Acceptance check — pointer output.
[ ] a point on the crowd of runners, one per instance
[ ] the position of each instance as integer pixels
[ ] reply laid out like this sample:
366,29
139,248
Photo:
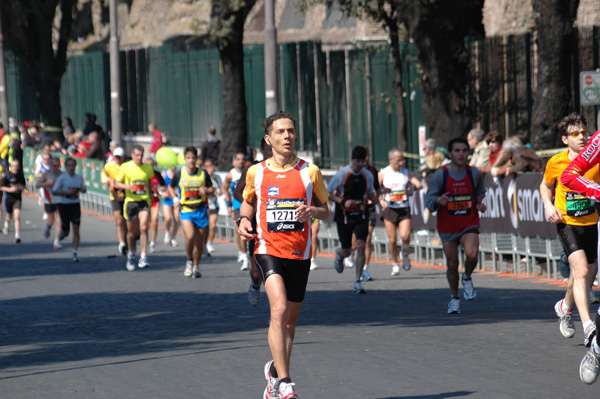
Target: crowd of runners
278,203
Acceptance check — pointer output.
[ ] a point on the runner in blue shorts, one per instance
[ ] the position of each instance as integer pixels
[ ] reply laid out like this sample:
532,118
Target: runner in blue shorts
189,189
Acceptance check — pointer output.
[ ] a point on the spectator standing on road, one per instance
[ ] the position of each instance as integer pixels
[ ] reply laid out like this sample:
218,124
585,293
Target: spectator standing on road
134,177
574,179
576,223
480,147
189,188
156,141
397,185
231,179
170,211
117,196
456,192
211,147
12,186
349,189
284,192
68,186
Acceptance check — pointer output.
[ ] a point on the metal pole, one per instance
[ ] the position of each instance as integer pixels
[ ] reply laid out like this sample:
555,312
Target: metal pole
115,79
3,95
271,93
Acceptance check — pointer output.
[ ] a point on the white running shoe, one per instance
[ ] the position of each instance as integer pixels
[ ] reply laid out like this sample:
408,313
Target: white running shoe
45,217
589,334
286,390
174,243
130,265
241,256
588,369
5,230
454,306
313,264
123,248
245,262
188,269
57,244
395,269
167,239
272,389
143,263
349,262
469,291
209,248
565,320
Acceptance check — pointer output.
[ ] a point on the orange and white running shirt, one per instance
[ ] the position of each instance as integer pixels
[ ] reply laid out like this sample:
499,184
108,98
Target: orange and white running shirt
278,191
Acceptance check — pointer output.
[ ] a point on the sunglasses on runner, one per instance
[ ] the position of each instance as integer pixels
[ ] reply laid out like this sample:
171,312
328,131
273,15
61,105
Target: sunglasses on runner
576,133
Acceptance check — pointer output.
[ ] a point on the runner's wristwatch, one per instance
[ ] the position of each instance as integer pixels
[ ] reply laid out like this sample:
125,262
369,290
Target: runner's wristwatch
238,220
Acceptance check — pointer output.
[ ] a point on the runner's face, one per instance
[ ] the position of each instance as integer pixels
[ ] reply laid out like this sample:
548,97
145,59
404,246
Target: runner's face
356,165
190,160
71,166
209,167
136,156
397,161
575,144
283,137
459,154
238,162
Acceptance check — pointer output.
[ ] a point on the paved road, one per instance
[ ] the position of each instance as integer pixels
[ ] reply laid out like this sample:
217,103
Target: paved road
94,330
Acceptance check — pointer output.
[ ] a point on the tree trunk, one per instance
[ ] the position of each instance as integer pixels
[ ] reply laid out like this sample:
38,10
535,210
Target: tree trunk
29,35
228,30
234,126
438,29
556,41
392,26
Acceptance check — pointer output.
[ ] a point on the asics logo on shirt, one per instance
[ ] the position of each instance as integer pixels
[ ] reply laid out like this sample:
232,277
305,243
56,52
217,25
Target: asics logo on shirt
280,177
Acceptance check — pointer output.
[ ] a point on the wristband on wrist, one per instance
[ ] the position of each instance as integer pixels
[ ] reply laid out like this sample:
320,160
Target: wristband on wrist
238,220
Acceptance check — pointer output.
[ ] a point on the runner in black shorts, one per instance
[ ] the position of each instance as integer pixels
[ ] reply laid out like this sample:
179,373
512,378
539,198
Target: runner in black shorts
350,188
68,186
133,209
285,192
397,184
12,185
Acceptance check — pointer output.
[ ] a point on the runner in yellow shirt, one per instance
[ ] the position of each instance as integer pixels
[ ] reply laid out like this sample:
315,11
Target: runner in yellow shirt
134,177
117,197
576,219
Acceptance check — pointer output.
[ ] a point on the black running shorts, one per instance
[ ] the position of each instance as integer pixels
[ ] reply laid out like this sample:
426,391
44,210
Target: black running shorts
359,227
134,208
294,273
574,238
69,214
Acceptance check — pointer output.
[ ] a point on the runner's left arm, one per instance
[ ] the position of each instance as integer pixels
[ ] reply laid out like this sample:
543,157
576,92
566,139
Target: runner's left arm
572,177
